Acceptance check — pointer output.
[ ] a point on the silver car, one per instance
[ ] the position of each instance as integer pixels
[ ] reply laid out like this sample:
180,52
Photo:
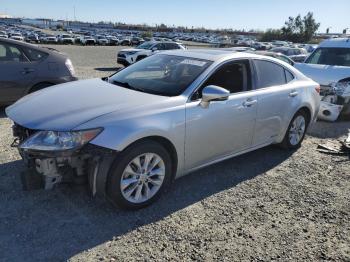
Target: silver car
131,134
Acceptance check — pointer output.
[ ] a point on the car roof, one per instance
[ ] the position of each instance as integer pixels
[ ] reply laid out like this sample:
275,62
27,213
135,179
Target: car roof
24,44
336,42
209,54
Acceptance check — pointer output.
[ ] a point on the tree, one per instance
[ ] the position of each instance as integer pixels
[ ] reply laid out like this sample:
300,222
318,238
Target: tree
300,29
296,29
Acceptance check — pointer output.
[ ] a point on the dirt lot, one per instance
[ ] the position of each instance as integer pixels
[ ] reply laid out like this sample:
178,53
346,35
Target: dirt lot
262,206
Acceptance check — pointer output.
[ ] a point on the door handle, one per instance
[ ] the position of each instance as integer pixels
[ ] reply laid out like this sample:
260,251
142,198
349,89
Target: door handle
249,103
27,71
293,93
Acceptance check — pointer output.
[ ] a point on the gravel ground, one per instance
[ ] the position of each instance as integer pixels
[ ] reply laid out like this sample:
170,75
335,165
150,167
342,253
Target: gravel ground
266,205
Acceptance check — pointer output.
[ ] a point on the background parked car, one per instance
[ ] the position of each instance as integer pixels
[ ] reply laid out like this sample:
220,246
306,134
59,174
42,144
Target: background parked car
16,36
329,65
129,56
32,38
66,39
25,68
87,40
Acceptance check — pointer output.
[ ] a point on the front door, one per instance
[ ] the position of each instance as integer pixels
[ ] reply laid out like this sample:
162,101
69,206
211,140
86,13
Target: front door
224,127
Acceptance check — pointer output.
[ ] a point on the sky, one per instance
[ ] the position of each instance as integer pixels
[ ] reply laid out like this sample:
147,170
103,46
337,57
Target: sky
234,14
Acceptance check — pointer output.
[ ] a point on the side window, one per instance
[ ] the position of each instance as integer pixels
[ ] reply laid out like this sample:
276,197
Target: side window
9,53
269,74
35,55
289,76
233,76
174,46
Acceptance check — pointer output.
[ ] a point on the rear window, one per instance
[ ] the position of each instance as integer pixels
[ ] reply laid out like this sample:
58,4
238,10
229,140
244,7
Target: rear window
35,55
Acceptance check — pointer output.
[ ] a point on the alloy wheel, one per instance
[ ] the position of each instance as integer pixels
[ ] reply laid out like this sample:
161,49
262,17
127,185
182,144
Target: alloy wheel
297,130
142,178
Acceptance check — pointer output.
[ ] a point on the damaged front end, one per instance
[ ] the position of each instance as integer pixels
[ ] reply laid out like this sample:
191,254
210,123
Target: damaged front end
54,157
335,100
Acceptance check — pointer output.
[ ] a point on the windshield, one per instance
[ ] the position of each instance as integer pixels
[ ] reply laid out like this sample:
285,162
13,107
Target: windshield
330,56
145,45
165,75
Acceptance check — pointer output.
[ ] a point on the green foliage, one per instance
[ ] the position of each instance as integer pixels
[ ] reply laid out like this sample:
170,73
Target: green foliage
297,30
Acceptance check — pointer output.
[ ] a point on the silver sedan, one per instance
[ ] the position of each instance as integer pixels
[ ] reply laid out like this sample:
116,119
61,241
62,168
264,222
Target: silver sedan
131,134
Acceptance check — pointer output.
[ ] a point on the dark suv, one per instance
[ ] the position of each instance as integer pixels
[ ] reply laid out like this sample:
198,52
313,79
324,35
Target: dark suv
25,68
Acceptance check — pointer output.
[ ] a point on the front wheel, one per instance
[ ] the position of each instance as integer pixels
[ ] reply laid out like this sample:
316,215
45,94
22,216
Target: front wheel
296,131
139,175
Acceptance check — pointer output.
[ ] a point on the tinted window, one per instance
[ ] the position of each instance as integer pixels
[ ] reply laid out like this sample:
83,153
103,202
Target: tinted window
330,56
11,53
233,76
269,74
35,55
173,46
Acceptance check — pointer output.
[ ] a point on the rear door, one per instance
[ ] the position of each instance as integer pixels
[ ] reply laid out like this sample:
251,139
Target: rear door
16,72
278,96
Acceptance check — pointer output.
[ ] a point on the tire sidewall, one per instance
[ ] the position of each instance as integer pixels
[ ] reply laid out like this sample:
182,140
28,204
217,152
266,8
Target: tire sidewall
122,160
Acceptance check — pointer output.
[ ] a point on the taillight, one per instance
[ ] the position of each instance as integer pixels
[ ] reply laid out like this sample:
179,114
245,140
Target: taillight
318,89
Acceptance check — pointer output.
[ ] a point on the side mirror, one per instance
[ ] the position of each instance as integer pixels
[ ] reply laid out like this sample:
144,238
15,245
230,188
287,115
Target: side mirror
154,49
213,93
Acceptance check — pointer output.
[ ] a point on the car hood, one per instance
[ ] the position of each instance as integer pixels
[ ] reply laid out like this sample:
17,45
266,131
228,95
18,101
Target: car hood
66,106
323,74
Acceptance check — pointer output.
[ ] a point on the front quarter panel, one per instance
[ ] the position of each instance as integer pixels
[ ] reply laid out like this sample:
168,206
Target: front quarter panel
121,129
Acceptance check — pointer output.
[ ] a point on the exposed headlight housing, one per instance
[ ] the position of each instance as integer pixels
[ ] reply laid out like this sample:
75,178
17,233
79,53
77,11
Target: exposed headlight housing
342,88
70,67
59,141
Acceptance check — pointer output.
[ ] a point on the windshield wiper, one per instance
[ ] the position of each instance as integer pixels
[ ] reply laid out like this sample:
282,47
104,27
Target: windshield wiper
127,85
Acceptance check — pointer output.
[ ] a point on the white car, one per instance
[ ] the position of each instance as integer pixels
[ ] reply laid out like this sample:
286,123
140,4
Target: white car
87,40
329,65
131,55
101,40
66,39
17,36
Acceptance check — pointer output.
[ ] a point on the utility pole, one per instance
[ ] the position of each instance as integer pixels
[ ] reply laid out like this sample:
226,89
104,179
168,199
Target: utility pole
75,19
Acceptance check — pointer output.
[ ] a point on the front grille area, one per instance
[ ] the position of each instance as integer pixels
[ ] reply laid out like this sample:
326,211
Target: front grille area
121,55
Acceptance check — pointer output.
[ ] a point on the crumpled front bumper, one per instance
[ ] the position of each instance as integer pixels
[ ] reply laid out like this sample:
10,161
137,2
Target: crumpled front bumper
45,169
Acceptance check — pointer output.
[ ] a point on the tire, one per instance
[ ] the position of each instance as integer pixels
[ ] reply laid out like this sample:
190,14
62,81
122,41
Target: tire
39,86
290,143
133,195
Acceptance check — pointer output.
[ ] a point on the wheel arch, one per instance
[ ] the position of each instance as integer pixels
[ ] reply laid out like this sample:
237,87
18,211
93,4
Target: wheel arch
166,143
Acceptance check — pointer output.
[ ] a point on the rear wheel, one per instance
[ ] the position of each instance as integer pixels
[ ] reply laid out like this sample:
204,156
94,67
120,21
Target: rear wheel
139,175
296,131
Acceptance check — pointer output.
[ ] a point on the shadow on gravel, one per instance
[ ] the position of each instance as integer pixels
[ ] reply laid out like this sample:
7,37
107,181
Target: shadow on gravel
56,225
324,130
107,69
